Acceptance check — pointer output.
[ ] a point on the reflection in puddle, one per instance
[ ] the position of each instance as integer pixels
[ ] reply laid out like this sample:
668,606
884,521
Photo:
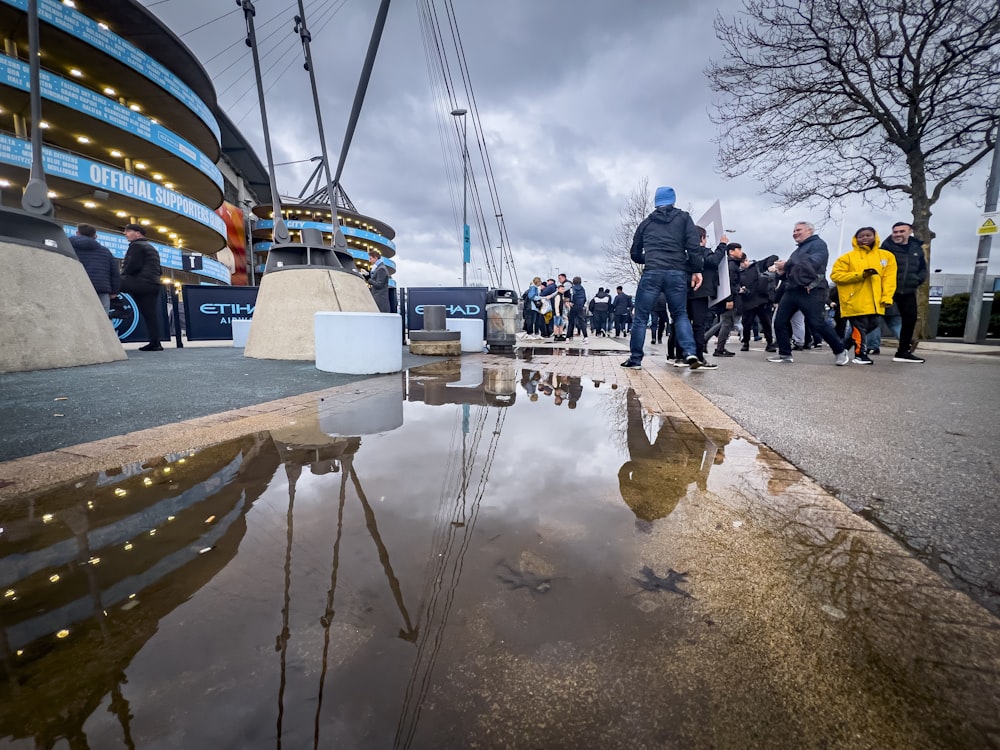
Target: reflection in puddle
443,559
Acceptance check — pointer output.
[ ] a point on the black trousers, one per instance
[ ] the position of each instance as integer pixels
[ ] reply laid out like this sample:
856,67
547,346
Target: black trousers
761,313
147,299
907,306
698,313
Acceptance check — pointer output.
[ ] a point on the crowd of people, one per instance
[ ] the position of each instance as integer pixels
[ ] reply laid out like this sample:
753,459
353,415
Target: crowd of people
698,293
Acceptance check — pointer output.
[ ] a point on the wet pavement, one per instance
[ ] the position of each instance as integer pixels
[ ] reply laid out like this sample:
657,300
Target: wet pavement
483,552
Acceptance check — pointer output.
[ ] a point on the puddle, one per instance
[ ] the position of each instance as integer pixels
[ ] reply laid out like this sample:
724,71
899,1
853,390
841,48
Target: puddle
461,556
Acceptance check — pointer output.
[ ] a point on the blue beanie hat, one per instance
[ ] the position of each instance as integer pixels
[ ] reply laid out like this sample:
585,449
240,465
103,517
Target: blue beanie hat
665,196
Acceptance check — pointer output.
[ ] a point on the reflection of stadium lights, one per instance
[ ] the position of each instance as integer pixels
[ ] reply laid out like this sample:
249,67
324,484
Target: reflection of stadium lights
54,578
119,492
63,633
128,546
8,593
47,517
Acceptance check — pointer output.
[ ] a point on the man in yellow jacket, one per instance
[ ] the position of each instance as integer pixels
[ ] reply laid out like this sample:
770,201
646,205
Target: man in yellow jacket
866,280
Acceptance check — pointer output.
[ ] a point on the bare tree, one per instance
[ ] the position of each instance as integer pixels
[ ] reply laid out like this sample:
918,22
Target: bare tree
618,265
831,98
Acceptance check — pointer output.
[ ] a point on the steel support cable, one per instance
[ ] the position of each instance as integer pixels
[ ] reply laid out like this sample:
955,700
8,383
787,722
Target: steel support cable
481,140
217,18
330,13
284,53
242,40
440,96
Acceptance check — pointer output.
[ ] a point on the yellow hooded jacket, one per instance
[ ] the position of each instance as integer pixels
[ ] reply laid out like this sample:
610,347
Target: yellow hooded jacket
860,295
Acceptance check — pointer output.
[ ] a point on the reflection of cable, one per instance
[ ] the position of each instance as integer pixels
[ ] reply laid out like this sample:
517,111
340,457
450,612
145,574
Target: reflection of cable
293,473
413,703
327,619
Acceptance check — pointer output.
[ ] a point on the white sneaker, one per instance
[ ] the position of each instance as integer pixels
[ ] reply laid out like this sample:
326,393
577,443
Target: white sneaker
585,341
844,358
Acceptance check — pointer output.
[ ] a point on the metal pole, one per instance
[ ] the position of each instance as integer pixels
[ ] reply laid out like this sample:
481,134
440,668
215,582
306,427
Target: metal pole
465,190
280,235
35,199
339,242
983,254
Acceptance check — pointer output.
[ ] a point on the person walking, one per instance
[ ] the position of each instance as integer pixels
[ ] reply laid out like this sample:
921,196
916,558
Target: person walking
378,280
140,277
756,290
578,311
866,280
666,244
600,306
620,307
101,266
730,307
911,273
803,272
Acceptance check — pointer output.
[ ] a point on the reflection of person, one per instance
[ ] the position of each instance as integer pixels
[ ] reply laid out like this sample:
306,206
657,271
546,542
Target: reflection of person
378,280
657,474
141,278
100,265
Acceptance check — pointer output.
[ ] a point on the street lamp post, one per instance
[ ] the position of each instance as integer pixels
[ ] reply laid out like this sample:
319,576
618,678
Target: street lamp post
465,193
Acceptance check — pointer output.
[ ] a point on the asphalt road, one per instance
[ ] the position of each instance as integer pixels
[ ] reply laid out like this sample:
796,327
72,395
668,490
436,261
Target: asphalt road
913,448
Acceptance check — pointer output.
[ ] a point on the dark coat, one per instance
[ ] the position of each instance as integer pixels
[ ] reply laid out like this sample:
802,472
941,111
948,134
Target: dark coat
667,240
621,304
758,284
141,267
379,284
911,267
806,267
101,266
709,274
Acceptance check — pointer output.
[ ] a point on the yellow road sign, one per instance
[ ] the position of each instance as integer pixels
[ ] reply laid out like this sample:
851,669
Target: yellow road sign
988,225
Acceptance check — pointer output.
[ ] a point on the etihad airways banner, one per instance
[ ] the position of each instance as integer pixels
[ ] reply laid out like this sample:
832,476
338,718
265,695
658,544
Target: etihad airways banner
16,74
17,152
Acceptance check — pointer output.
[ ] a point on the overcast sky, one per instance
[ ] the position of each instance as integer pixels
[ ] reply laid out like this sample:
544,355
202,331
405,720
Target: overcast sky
579,103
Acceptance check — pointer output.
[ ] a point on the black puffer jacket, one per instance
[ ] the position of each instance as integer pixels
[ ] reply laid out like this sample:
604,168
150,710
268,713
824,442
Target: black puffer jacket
911,268
667,240
709,273
101,266
142,264
758,283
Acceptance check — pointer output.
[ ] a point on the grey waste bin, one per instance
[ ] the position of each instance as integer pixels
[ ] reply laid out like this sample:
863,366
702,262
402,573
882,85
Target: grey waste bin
501,319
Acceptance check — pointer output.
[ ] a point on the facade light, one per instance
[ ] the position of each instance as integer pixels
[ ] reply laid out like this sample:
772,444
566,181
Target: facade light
89,204
82,139
121,214
139,165
76,72
116,153
145,223
135,107
110,91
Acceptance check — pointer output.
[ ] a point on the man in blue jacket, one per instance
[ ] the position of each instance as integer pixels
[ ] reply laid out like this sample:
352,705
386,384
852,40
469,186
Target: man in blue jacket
804,275
666,244
101,266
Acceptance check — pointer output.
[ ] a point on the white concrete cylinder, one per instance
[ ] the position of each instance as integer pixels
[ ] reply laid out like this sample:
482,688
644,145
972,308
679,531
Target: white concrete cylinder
471,330
241,330
358,343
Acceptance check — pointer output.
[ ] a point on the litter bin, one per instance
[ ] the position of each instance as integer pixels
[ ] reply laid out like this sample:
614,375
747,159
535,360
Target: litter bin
501,319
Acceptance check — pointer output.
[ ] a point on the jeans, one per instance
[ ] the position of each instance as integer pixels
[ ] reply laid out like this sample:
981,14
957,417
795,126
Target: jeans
811,307
674,284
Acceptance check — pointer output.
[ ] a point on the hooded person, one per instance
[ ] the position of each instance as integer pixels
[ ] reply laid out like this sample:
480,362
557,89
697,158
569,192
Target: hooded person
866,281
667,245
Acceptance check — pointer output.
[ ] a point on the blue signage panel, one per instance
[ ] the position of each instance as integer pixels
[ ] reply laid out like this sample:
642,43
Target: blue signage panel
83,28
16,74
459,302
170,257
209,311
327,227
466,251
71,167
128,322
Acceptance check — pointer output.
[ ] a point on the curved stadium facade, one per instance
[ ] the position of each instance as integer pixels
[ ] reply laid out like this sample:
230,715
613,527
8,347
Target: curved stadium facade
132,133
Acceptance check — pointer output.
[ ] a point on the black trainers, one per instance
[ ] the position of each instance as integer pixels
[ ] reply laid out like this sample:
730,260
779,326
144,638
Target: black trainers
863,359
771,348
629,364
692,361
907,357
679,362
723,353
706,365
745,348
